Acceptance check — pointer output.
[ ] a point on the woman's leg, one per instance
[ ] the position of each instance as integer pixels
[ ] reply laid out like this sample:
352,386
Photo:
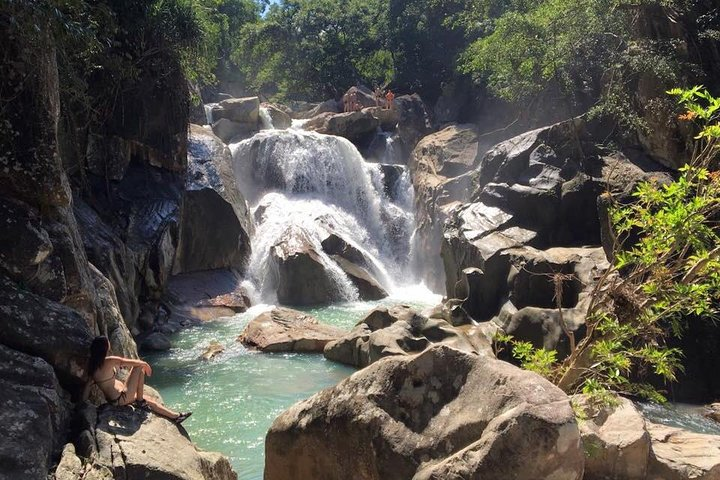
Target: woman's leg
161,410
134,385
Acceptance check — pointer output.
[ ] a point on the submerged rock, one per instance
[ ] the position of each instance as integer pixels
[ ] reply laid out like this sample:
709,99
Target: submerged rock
286,330
397,330
212,351
436,415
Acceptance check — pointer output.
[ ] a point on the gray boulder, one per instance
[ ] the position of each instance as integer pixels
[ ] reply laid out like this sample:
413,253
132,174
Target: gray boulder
389,331
110,321
358,127
286,330
440,414
40,327
34,414
229,131
301,276
137,445
678,454
215,226
279,114
156,341
615,440
239,110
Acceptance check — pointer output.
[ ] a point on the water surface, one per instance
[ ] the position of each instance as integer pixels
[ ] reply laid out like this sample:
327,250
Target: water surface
236,396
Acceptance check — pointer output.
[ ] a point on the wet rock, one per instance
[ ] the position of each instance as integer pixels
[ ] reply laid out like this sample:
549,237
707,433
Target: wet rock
286,330
388,118
156,341
40,327
279,114
301,276
615,440
134,445
229,131
397,330
368,286
417,417
33,415
682,455
436,166
212,351
215,227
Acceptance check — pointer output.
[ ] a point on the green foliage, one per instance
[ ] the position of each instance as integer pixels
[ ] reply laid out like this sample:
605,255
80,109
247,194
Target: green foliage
536,360
670,275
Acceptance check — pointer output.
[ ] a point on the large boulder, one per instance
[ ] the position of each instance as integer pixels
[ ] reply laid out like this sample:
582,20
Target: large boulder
203,296
215,226
440,414
328,106
33,415
302,276
136,445
437,166
239,110
678,454
40,327
368,286
615,440
287,330
397,330
358,127
229,131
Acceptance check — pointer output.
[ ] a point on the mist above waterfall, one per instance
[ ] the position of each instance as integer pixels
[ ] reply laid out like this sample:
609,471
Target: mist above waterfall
305,186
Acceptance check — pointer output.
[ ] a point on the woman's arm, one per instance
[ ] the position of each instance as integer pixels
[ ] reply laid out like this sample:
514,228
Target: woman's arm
130,362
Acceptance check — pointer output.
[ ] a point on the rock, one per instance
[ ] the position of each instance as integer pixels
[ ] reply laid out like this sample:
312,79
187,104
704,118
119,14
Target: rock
286,330
439,414
328,106
362,95
34,414
368,287
244,111
279,114
388,118
543,328
108,156
391,175
414,122
40,327
24,243
455,99
212,351
229,131
615,440
112,258
397,330
204,296
681,455
110,320
301,276
156,341
215,226
134,445
358,127
436,164
713,412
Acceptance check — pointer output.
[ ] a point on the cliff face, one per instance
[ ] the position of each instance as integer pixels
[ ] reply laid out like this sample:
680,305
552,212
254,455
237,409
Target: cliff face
90,219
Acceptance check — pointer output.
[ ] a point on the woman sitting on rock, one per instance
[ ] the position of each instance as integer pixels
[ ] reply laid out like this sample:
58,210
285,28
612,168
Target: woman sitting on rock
102,371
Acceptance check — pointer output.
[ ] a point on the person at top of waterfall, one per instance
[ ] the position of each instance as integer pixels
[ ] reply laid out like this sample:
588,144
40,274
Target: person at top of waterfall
379,95
103,370
351,100
389,97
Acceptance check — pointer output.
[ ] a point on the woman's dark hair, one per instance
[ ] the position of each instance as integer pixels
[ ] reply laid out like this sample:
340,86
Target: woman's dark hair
98,351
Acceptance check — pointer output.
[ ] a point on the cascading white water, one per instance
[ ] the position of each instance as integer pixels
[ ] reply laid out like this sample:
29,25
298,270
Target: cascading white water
319,184
208,112
265,119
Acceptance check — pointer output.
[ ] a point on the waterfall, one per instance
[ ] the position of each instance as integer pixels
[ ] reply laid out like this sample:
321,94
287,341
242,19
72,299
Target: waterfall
317,185
265,119
208,112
